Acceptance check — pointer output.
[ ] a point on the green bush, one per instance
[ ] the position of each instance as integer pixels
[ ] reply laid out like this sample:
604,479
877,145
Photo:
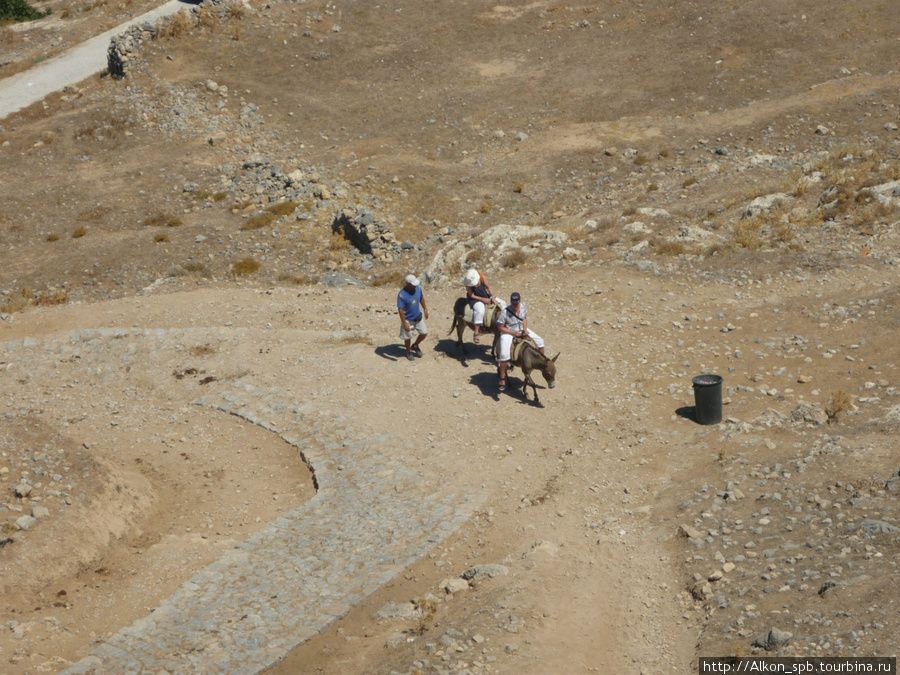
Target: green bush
19,10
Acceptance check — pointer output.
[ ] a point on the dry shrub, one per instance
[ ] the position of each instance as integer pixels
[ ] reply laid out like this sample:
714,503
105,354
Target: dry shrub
746,234
784,233
486,206
26,297
157,220
161,238
338,242
236,10
640,159
174,222
474,256
194,267
79,233
514,259
208,17
690,180
672,248
519,188
176,24
53,237
297,279
88,215
244,267
840,403
389,278
258,221
282,208
653,187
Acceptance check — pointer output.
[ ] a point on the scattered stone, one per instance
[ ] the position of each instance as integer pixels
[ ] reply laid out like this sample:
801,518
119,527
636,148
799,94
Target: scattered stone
485,571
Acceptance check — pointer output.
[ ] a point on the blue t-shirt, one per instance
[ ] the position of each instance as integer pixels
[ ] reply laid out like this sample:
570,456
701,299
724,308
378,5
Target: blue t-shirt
409,303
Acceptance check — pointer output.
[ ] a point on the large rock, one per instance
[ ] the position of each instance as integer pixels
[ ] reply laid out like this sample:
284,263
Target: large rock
485,571
770,418
809,413
766,203
774,640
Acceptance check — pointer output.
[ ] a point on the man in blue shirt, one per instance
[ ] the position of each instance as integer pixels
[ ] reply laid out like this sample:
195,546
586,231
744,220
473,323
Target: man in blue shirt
413,312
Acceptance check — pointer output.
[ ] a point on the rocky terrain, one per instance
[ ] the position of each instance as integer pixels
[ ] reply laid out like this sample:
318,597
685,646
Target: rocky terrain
674,191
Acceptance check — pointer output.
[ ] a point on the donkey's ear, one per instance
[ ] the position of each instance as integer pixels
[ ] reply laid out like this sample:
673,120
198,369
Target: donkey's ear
555,357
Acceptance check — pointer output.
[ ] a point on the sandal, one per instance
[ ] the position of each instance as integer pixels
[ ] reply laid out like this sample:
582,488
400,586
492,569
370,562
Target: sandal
477,341
502,384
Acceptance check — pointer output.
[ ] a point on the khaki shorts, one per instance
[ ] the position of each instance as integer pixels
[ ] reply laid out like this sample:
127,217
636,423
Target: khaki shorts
414,325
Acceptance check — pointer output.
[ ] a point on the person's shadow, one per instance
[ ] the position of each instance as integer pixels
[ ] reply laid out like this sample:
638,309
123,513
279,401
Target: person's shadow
393,352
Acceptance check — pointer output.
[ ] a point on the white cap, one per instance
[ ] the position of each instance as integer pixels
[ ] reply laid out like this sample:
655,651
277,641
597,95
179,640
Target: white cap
412,280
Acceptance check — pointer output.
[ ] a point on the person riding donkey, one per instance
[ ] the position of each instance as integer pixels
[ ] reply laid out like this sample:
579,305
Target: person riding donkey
512,323
478,294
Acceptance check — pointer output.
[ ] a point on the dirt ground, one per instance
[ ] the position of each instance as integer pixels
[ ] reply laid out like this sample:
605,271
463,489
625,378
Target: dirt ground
452,119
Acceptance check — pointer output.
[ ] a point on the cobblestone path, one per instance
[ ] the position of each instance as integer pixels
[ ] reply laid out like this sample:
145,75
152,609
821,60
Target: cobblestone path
372,516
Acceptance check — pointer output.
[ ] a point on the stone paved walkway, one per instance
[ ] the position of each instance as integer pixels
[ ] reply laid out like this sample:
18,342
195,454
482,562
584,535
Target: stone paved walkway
69,68
372,516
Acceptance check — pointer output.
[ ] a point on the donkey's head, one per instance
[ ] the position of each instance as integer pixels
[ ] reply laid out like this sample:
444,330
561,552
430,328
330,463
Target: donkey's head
548,370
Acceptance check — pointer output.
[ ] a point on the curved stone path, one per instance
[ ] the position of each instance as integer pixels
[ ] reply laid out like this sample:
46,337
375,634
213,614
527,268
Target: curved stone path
372,517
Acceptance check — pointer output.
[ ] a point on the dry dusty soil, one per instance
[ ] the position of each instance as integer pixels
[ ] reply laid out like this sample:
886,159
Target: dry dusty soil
681,189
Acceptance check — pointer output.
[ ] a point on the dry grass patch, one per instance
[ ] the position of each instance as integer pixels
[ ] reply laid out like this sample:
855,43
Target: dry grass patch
389,278
672,248
244,267
514,259
297,279
27,297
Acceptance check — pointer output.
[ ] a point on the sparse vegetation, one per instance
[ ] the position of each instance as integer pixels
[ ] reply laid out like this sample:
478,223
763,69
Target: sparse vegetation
53,237
297,279
514,259
19,10
161,238
26,297
673,248
839,404
390,278
204,350
244,267
79,233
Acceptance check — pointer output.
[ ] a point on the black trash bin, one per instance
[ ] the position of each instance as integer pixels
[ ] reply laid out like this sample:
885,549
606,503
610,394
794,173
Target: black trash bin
708,399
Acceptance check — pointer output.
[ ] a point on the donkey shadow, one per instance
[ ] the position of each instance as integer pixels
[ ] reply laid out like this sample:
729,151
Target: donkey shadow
488,383
481,353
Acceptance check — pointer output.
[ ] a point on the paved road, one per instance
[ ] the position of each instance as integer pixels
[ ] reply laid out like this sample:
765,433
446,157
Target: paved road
376,511
70,67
